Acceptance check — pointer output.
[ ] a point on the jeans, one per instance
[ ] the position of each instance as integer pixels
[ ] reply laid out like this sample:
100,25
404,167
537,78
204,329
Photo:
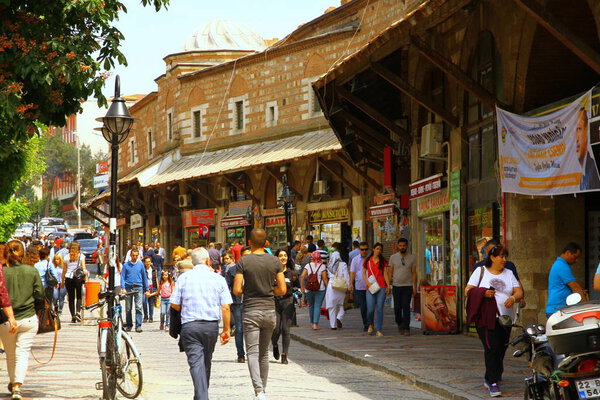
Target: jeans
375,304
165,315
315,300
59,298
402,296
74,289
198,339
258,329
148,305
494,354
360,300
17,347
137,297
284,309
237,311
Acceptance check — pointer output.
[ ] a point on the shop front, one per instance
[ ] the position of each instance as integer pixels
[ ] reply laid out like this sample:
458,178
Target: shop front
136,227
386,230
199,227
330,224
236,228
274,223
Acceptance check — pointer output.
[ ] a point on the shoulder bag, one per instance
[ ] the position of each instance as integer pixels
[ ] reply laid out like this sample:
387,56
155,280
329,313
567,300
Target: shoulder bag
79,273
48,321
373,284
51,280
339,282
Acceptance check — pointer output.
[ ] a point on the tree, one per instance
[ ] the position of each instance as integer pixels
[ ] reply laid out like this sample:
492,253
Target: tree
53,54
88,171
12,213
61,163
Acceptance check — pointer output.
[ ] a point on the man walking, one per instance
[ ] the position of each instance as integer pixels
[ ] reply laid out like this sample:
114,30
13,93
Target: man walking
310,245
561,281
255,275
237,307
355,250
324,253
161,251
403,271
357,283
134,278
202,297
215,257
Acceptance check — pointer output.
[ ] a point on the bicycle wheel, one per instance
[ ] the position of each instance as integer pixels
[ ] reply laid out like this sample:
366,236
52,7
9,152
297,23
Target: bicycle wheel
130,379
109,380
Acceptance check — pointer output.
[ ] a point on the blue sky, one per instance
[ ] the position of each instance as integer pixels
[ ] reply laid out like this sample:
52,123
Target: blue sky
151,35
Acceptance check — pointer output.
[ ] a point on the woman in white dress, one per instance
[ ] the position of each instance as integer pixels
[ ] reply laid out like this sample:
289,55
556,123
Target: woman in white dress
334,299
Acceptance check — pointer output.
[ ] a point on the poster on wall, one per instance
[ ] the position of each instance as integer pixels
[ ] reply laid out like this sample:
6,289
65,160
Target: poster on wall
438,309
550,154
455,227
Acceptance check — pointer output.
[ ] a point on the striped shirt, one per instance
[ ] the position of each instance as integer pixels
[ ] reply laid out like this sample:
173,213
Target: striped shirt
324,255
200,293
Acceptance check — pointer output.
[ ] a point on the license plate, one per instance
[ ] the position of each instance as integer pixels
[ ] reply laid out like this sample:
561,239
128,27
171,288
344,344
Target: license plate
588,388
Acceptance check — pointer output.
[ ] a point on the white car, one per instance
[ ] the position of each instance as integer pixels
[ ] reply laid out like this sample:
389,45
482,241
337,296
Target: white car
24,229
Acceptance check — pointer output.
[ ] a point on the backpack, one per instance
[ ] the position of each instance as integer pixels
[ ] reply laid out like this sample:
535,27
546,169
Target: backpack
312,282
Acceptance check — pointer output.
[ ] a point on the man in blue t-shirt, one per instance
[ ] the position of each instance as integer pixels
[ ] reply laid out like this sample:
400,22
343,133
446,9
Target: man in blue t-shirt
561,281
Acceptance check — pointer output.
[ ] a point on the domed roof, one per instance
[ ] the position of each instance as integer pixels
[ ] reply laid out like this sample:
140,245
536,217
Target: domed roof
225,35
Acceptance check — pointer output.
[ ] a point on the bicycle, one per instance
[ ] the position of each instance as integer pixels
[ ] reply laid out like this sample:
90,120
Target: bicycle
120,361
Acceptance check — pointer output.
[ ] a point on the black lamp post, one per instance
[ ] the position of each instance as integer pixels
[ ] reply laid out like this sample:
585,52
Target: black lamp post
36,225
116,125
287,197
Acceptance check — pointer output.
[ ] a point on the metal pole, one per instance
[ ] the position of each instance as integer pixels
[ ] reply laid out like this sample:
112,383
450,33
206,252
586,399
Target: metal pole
288,224
78,183
113,221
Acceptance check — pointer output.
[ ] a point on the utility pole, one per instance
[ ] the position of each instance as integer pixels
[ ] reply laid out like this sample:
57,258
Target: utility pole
78,182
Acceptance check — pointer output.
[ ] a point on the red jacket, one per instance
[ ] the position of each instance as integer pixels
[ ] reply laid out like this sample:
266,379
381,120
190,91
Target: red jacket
481,310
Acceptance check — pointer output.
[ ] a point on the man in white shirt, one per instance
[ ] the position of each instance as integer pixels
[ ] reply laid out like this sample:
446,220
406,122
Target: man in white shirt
357,283
403,271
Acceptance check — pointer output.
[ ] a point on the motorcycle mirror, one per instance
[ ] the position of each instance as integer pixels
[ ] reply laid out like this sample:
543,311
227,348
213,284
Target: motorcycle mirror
573,298
518,353
505,321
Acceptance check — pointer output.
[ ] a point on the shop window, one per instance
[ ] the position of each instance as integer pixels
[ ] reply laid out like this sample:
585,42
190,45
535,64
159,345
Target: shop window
132,151
170,126
197,121
150,148
239,115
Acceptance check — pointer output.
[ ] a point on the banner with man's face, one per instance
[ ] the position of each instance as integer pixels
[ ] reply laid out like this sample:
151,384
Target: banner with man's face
550,154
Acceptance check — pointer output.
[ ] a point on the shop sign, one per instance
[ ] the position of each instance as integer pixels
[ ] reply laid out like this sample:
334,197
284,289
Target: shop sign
425,186
102,168
379,199
136,221
231,222
121,221
434,204
455,244
275,221
271,212
197,217
329,215
382,211
239,207
101,181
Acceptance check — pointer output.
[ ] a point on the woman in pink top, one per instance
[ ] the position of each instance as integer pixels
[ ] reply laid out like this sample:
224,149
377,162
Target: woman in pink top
166,286
374,268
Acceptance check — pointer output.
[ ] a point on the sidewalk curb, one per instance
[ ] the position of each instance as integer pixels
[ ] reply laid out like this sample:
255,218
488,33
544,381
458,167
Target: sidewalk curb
421,383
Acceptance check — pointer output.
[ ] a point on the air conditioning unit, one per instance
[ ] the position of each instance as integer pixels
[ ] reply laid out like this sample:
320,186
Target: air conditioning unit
320,188
185,200
432,136
222,193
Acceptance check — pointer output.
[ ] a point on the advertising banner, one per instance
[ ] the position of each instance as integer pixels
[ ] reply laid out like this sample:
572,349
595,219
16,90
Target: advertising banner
101,181
550,154
438,309
102,168
455,226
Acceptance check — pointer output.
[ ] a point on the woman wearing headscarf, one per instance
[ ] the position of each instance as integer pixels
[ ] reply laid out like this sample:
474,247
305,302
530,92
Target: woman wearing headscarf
334,299
315,274
27,295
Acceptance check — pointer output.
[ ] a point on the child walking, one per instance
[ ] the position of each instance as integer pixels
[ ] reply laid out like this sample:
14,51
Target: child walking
166,288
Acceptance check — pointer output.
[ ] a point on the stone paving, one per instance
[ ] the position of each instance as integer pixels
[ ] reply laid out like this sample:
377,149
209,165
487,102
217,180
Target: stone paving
449,365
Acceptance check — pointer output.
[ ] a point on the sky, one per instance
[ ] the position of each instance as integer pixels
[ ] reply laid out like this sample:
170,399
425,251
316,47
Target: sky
150,35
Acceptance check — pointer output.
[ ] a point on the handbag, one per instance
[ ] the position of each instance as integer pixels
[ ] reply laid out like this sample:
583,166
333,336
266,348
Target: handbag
79,274
48,321
339,282
51,280
373,284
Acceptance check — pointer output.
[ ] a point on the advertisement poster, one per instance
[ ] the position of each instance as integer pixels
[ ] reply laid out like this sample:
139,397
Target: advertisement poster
550,154
455,227
438,306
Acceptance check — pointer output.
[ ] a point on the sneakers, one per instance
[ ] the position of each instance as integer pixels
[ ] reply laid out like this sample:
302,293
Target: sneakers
379,334
339,323
284,359
276,352
241,359
145,320
493,388
138,330
150,320
261,396
406,332
370,330
127,329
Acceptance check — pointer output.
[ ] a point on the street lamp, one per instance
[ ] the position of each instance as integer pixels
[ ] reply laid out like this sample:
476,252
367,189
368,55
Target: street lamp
116,125
287,197
36,225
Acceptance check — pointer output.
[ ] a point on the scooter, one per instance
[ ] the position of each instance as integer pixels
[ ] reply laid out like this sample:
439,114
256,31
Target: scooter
564,356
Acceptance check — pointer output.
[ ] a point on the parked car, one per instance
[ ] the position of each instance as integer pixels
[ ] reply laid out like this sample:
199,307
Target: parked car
82,235
88,246
47,230
26,228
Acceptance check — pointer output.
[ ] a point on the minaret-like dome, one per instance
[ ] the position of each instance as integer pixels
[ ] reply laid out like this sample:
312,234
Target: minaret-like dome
225,35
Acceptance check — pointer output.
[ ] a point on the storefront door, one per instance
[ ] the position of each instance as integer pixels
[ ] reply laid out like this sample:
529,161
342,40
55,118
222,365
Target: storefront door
437,241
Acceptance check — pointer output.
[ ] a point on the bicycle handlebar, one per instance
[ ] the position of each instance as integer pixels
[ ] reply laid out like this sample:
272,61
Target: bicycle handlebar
106,295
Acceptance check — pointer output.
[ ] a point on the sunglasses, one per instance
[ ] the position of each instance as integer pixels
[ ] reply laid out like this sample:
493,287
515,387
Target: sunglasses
364,249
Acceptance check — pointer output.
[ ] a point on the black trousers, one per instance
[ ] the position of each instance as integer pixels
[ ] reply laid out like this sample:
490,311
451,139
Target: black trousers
74,289
198,339
360,300
494,353
284,310
402,296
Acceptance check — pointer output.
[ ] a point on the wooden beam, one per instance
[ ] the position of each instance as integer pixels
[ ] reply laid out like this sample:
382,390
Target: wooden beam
209,198
165,199
561,33
365,145
277,176
239,187
373,113
337,174
454,71
85,210
99,211
350,165
361,125
417,95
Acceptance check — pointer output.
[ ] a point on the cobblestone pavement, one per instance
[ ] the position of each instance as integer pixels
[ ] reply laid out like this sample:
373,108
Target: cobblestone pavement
311,374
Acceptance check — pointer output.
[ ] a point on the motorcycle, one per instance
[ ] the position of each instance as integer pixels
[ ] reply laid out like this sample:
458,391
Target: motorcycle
564,355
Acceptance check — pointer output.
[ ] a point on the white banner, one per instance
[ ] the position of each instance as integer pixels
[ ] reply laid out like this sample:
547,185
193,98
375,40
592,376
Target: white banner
547,155
101,181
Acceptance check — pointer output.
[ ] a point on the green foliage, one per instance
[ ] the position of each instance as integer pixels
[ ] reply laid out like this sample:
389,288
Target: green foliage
12,213
53,54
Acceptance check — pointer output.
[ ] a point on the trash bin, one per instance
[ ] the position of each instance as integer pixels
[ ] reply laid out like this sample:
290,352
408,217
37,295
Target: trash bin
92,290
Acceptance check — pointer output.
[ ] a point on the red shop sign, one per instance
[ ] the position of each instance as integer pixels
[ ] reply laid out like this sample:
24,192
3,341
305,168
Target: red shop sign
275,221
230,222
199,217
425,186
382,211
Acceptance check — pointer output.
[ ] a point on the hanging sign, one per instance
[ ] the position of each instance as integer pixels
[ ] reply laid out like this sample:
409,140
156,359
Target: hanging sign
329,215
136,221
383,211
101,181
434,204
425,186
229,222
197,217
102,168
550,154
